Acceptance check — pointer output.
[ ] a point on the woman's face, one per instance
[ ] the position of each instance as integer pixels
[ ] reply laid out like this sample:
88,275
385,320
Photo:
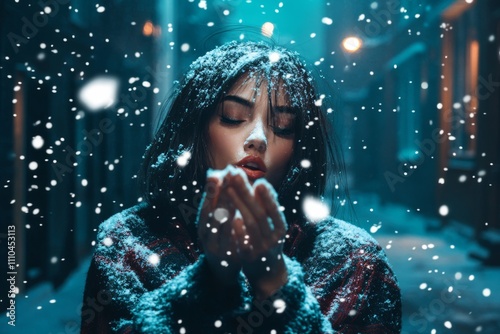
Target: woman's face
242,132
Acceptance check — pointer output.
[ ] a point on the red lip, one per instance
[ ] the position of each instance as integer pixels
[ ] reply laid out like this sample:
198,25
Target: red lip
253,166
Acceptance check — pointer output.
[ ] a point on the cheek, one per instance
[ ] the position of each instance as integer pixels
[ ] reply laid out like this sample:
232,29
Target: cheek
221,149
282,155
280,158
286,150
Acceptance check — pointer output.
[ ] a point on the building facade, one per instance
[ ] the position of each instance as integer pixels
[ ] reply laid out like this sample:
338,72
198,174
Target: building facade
421,98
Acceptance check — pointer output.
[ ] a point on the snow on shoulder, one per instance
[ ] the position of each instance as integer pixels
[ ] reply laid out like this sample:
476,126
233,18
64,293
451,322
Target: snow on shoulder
351,232
337,240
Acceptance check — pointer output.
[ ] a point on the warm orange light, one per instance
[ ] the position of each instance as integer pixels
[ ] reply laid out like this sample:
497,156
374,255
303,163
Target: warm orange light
148,28
351,44
473,76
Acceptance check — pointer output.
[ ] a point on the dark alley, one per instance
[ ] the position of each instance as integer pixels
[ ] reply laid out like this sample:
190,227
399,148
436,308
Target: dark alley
278,114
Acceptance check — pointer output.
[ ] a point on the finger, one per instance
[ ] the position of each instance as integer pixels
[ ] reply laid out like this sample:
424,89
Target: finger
220,229
245,192
204,217
214,178
272,209
251,207
224,214
212,189
208,234
243,244
216,181
253,234
268,227
208,228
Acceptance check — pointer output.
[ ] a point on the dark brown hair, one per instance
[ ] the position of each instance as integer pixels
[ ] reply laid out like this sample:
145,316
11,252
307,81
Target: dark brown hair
183,132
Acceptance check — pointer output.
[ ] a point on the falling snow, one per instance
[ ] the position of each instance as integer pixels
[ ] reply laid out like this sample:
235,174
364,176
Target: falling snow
432,268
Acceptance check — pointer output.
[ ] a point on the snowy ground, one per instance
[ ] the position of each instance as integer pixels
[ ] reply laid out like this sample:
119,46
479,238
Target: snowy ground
444,290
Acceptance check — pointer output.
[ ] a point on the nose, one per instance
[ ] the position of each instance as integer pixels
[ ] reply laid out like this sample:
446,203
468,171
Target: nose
256,139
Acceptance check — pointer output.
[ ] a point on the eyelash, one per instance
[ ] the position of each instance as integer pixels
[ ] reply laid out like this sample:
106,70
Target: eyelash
283,132
230,121
277,130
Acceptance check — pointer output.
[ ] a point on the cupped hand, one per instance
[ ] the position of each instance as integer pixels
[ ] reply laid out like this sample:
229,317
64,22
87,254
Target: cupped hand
260,229
219,243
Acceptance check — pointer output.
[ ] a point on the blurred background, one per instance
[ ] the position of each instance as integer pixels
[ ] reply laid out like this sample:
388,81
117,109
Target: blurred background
416,86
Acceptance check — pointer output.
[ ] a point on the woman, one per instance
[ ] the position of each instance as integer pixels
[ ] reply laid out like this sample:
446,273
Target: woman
221,243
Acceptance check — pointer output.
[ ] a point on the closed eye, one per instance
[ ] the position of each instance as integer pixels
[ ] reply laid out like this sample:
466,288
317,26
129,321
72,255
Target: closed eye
230,121
283,123
283,132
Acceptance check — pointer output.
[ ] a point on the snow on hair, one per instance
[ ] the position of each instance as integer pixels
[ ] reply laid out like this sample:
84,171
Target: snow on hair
185,125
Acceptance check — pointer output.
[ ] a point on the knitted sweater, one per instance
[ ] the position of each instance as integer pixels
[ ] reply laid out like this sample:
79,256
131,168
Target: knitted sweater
147,275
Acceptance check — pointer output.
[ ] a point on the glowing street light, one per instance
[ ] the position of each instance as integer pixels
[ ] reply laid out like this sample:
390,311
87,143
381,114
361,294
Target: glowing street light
148,28
351,44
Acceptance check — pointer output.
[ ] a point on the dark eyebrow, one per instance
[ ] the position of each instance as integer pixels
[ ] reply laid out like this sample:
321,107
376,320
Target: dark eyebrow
250,104
238,99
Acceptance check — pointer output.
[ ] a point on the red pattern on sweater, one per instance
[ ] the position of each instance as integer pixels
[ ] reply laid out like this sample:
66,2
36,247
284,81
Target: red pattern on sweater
355,288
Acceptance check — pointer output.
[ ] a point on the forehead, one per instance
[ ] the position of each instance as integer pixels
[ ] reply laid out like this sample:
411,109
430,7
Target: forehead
254,85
